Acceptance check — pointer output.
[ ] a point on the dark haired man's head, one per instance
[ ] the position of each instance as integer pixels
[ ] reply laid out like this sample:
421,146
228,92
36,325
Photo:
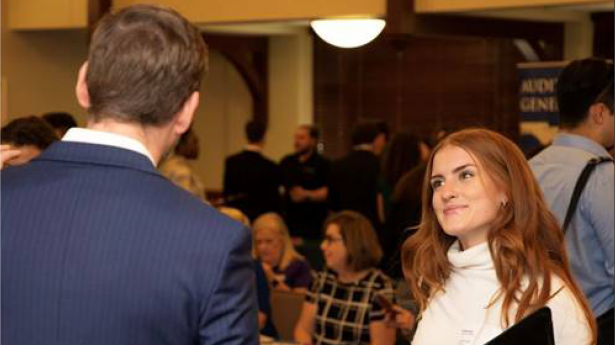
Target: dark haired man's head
60,121
30,135
306,139
143,65
143,75
255,132
373,133
585,98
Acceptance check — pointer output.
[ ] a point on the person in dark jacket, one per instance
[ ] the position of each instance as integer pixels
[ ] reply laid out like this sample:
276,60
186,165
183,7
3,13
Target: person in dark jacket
251,180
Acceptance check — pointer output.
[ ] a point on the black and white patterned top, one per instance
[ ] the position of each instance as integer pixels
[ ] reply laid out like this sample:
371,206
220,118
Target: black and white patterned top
345,310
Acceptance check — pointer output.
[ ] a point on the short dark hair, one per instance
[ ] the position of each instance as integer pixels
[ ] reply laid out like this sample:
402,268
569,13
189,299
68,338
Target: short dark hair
312,131
60,120
359,237
606,97
144,63
30,130
578,87
255,131
364,133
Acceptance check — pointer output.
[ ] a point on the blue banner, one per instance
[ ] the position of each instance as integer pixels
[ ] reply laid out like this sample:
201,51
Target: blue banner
537,97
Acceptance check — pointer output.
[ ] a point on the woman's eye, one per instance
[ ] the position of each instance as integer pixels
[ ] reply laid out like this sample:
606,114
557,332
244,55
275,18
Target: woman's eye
435,184
466,174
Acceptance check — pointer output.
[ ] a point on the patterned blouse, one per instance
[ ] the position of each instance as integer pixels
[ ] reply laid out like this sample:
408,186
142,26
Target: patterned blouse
345,310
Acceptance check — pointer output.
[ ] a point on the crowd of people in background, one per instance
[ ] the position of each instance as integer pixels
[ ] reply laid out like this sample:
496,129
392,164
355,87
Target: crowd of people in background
479,236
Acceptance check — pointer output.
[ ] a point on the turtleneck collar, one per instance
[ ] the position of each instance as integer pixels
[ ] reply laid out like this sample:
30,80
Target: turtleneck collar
475,258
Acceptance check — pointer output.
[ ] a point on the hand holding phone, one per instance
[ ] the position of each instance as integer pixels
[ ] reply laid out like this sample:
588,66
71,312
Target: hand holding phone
385,304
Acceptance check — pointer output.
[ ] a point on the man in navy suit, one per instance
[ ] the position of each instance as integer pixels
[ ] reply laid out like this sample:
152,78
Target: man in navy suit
97,247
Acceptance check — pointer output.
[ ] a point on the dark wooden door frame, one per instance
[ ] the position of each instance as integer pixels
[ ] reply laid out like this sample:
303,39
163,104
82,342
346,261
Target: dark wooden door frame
250,56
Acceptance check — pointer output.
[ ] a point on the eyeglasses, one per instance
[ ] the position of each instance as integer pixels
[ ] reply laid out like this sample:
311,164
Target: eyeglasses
330,239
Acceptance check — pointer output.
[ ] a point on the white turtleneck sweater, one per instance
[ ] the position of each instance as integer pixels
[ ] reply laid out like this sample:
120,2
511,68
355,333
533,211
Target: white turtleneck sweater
459,316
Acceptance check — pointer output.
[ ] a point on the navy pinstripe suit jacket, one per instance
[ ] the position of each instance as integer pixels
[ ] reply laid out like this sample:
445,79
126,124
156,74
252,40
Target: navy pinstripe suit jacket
98,248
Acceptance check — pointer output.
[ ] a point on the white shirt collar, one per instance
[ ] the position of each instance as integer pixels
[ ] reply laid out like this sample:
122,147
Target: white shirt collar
253,148
90,136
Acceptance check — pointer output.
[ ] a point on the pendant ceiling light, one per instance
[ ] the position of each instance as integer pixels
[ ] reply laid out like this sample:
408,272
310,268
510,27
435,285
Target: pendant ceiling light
348,33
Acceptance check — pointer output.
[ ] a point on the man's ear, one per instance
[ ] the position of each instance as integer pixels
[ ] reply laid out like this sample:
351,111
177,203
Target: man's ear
597,113
81,89
183,120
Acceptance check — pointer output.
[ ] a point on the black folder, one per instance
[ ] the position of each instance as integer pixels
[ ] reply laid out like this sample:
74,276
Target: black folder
534,329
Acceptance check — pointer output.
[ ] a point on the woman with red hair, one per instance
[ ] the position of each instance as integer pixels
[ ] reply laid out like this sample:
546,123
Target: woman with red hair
488,251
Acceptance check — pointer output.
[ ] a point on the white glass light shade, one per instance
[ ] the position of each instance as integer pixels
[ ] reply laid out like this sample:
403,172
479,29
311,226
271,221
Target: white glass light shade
348,33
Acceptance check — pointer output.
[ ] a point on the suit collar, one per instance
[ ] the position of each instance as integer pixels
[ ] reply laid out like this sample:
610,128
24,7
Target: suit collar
96,154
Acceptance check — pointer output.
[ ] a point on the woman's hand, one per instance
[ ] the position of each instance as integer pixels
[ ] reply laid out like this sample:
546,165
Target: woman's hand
400,318
7,153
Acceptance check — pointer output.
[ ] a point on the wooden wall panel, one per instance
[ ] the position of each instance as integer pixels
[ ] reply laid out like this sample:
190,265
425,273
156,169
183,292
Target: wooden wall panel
414,83
603,34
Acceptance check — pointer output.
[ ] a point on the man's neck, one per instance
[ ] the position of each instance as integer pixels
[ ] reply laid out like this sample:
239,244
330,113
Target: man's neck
254,147
364,147
152,138
304,156
584,131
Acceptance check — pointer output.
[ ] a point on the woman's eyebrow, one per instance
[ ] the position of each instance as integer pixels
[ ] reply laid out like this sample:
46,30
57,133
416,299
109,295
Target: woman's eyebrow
457,169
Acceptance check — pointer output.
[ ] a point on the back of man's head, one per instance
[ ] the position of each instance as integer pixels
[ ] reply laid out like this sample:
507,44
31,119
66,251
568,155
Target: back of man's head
255,131
312,131
60,121
28,131
366,131
144,63
579,86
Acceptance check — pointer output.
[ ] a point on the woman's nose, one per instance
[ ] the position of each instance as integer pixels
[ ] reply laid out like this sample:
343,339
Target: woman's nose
449,191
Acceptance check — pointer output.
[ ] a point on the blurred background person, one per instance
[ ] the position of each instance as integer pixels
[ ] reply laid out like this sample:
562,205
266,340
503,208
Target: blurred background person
177,169
251,180
488,251
402,154
29,135
342,305
60,121
585,98
405,212
354,178
305,174
265,321
285,268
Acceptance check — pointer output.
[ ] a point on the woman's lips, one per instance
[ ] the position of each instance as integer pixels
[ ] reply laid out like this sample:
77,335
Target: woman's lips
453,209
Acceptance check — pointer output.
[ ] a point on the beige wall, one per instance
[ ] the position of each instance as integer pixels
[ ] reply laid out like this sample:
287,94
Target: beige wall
57,14
290,90
435,6
39,69
226,105
224,11
579,39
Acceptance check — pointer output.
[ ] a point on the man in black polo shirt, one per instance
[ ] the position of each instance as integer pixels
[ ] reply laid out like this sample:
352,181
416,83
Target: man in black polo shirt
305,174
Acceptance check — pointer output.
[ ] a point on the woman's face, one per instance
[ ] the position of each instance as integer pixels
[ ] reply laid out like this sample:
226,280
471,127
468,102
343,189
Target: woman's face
269,246
333,249
465,199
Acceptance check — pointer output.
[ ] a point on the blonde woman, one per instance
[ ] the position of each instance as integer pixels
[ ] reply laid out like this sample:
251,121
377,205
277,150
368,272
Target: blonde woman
285,268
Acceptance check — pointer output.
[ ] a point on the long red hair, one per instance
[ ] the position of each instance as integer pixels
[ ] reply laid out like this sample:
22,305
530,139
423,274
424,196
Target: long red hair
526,236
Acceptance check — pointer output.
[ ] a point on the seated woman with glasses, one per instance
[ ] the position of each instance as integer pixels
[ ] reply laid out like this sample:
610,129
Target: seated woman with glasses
343,304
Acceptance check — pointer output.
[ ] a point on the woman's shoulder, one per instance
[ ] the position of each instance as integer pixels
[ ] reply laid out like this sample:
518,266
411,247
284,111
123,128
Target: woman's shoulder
570,324
299,264
377,279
